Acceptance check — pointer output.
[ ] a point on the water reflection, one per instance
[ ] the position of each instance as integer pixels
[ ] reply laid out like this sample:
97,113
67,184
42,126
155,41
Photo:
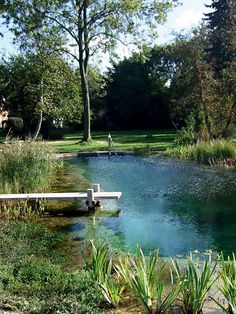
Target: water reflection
166,204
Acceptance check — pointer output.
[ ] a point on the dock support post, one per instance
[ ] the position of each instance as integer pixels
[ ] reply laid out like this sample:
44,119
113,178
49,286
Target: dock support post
96,187
90,199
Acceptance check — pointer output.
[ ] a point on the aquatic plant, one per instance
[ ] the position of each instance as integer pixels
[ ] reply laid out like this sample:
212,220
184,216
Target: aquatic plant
142,276
100,265
195,281
101,271
228,284
21,211
112,290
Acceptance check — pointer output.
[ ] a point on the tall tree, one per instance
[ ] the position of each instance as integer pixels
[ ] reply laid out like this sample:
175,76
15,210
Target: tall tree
137,95
221,22
91,25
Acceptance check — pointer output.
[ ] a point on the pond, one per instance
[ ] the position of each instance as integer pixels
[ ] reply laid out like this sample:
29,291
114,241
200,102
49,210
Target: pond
166,204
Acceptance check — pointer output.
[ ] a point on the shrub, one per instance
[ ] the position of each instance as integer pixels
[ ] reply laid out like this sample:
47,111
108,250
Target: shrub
26,167
187,135
15,126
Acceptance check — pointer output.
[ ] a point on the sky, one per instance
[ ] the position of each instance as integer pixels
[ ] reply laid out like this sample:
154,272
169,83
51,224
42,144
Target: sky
182,18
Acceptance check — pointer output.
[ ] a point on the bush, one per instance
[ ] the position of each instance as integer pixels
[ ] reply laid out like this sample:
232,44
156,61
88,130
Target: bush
187,135
15,126
26,167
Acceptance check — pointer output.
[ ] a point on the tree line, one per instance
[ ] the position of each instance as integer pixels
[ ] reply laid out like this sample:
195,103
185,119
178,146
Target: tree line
189,83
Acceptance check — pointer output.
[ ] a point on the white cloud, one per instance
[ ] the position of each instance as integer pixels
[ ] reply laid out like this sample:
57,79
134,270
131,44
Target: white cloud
188,18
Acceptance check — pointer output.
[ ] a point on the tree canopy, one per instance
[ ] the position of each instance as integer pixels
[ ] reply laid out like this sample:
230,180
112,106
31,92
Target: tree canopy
89,26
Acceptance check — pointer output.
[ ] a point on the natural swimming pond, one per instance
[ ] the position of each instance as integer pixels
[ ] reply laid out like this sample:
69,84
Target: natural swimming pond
166,204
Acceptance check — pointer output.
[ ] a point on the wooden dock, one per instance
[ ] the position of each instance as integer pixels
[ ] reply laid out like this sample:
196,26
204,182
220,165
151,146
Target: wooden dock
92,195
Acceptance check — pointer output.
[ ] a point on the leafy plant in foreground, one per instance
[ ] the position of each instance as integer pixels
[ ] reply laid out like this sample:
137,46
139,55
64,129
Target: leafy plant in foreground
195,281
228,284
112,290
143,278
101,271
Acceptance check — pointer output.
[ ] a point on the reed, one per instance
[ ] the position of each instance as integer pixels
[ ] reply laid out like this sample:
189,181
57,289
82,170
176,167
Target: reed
218,152
26,167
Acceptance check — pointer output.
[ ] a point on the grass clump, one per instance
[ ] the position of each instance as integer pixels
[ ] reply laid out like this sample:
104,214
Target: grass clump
26,167
218,152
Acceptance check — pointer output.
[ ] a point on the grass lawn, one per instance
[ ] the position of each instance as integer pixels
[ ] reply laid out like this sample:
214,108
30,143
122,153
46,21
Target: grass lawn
123,141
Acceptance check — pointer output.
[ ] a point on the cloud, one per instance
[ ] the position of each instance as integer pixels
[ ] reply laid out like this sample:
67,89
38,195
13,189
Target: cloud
188,18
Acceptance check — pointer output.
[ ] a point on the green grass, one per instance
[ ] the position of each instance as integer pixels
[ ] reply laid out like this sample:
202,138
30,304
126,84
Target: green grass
123,141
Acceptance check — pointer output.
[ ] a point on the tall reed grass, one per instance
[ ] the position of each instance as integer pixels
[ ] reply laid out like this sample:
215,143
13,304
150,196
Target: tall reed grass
26,167
218,152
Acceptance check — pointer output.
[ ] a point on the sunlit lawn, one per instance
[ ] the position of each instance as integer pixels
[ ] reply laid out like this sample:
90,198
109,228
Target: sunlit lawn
123,141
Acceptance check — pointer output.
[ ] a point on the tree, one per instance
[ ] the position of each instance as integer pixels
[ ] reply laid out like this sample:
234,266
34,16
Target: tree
221,22
91,25
197,91
137,95
61,93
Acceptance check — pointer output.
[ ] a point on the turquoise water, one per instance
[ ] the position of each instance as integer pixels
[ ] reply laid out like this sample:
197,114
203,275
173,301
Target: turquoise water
166,204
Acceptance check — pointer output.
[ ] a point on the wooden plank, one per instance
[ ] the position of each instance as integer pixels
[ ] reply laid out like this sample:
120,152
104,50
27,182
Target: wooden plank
59,196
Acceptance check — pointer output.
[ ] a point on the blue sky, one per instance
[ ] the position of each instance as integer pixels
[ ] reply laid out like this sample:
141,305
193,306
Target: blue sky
182,17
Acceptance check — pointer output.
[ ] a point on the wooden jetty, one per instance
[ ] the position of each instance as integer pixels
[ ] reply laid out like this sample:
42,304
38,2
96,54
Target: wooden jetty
90,196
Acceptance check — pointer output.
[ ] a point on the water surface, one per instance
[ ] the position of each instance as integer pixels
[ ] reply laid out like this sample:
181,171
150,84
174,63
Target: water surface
166,204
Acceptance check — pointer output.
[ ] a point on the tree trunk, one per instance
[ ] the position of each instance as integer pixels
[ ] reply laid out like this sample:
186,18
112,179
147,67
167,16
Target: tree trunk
86,102
83,66
40,119
38,127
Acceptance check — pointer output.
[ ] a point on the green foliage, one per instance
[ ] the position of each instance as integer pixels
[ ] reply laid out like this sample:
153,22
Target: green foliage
100,265
26,167
195,282
187,135
15,126
33,83
144,104
219,152
20,211
143,278
112,290
228,283
144,150
32,279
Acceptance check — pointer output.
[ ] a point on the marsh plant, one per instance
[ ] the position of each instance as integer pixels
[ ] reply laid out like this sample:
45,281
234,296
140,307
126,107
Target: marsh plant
21,211
143,277
195,281
228,284
218,152
101,271
26,167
